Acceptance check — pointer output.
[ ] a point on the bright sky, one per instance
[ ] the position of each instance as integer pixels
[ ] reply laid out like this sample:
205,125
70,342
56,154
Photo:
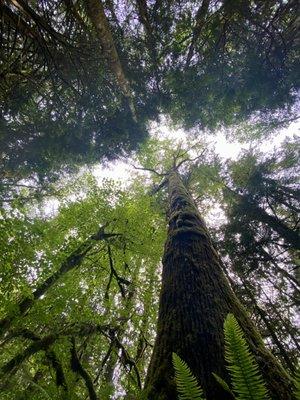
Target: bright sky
122,171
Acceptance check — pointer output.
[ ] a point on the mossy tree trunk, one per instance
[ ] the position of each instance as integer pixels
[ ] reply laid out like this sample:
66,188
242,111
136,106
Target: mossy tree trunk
194,301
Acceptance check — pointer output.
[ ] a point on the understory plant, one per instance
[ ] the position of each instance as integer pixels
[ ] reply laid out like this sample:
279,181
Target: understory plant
246,380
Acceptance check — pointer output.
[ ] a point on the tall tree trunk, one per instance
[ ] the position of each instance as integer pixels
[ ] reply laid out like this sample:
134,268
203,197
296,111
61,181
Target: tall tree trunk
194,301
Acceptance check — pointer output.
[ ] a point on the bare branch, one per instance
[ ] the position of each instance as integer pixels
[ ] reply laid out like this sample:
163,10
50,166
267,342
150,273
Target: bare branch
148,169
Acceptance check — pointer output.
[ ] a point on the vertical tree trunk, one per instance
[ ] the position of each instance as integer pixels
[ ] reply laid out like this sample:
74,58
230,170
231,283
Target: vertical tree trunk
194,301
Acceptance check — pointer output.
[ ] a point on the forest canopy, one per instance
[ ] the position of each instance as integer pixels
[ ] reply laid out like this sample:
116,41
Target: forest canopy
182,276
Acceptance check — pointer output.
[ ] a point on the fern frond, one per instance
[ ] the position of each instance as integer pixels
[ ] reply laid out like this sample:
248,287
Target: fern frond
245,376
297,385
187,385
222,383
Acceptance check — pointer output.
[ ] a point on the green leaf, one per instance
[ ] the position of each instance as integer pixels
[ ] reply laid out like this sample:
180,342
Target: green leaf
222,383
245,376
297,385
187,385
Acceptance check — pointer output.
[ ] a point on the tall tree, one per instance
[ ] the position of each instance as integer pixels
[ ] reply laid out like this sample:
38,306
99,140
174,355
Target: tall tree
256,252
194,301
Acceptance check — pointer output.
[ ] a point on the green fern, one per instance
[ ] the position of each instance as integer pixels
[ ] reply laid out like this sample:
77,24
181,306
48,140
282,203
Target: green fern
223,384
245,376
297,385
187,385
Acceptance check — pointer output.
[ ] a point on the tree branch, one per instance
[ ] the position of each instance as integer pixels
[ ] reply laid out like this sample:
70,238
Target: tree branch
148,169
77,367
73,261
200,18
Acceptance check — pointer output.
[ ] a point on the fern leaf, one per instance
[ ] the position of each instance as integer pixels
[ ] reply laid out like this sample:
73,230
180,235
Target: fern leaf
187,385
297,385
222,383
245,376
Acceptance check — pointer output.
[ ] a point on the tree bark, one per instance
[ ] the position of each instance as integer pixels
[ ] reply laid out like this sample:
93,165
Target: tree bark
194,302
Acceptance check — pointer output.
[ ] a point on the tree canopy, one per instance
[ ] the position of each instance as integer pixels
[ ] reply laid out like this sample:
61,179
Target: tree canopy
103,282
79,290
80,80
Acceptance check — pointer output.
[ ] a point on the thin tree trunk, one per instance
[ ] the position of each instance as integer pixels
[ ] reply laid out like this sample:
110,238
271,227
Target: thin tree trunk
96,14
194,302
200,18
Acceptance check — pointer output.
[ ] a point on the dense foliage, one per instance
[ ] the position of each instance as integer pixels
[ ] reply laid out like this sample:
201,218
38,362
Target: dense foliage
79,303
79,80
83,83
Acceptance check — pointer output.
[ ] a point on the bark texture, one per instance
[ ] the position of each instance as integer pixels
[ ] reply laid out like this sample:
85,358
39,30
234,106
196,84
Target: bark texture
194,301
